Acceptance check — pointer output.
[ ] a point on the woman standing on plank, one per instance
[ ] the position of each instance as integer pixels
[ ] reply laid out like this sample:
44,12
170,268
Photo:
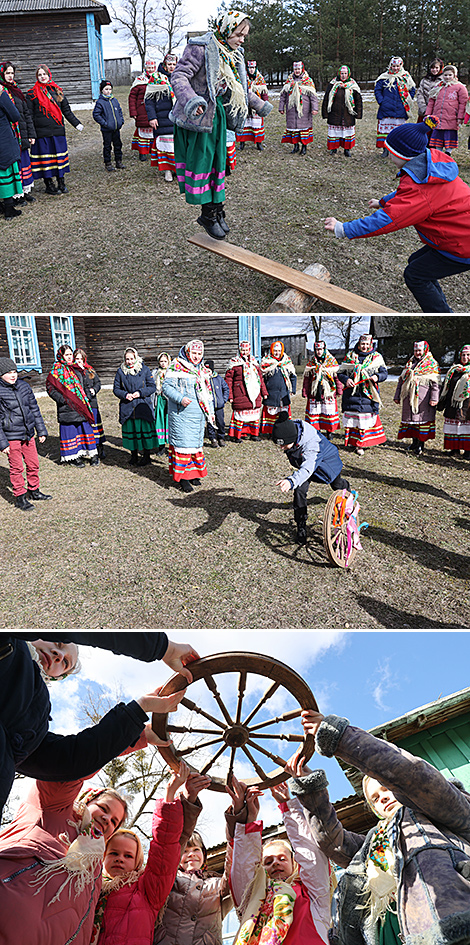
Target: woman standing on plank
361,372
211,95
247,391
321,388
134,386
418,393
49,154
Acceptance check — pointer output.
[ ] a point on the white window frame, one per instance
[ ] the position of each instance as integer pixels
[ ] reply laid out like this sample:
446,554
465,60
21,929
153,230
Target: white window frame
63,335
22,328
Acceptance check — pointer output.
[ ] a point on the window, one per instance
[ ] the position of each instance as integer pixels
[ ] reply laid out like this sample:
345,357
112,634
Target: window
62,331
23,342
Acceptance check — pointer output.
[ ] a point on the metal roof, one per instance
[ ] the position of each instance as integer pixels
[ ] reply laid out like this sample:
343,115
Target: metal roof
17,7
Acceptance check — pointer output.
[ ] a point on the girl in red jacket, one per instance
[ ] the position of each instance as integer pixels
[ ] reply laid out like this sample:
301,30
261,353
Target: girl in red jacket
431,197
133,892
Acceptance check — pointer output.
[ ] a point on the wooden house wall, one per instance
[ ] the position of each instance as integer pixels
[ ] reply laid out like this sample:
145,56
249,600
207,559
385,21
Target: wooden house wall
57,39
108,336
45,345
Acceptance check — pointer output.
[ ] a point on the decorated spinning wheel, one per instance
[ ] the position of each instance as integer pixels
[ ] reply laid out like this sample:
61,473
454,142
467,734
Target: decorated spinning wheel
246,727
341,528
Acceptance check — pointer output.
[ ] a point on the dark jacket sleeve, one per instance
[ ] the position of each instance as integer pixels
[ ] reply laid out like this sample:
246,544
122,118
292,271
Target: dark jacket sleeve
119,390
324,104
141,646
98,114
225,390
68,113
38,418
95,383
334,841
70,757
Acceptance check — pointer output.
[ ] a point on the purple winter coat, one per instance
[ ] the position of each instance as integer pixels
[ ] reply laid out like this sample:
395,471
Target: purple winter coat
194,84
428,390
294,121
430,838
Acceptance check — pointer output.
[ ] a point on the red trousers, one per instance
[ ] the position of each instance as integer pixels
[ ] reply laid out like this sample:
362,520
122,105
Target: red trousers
23,450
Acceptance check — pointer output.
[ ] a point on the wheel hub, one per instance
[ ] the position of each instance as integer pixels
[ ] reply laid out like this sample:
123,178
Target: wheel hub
236,737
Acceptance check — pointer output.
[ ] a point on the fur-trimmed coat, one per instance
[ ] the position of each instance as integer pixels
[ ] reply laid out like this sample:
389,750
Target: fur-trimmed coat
194,84
431,841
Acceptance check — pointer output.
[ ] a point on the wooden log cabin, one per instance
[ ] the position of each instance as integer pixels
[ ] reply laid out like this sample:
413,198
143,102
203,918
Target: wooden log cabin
63,34
32,340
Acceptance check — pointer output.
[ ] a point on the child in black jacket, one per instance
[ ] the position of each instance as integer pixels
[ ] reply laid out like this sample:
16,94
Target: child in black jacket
19,418
108,114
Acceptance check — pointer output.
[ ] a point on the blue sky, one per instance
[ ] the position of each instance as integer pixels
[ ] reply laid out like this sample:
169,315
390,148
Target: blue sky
291,324
369,677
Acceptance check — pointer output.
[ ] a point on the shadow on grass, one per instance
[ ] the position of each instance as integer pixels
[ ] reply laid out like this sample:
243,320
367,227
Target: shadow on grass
424,552
279,537
410,485
393,619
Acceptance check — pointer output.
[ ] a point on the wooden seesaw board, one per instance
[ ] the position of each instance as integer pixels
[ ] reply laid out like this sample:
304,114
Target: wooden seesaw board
343,300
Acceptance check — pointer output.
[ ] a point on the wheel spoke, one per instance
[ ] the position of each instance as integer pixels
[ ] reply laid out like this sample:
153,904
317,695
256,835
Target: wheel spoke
269,692
230,769
184,729
276,758
259,771
276,738
209,764
195,708
241,694
190,751
287,717
211,685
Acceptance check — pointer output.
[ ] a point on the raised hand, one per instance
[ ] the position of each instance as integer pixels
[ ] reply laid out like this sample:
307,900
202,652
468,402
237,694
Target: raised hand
176,781
178,655
153,702
195,783
252,797
311,721
238,794
281,793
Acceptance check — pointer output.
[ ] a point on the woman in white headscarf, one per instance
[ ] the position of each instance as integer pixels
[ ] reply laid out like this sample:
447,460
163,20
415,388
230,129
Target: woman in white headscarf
247,391
187,388
393,90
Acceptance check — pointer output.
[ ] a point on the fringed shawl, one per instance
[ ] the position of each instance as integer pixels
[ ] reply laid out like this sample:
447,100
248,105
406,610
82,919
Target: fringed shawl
413,375
323,372
269,364
350,86
361,371
462,388
250,375
202,376
65,380
295,87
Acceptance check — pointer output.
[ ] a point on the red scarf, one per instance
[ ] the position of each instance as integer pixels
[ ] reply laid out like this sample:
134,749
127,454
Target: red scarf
47,102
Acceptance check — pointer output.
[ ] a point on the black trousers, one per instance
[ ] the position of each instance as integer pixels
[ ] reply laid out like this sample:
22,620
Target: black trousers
300,494
218,433
111,138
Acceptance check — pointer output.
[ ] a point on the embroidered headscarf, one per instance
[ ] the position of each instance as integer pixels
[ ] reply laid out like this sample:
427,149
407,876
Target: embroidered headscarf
298,85
323,367
413,373
150,66
230,59
271,363
182,366
360,371
158,86
255,79
42,91
349,85
250,371
401,78
64,379
137,366
461,390
267,910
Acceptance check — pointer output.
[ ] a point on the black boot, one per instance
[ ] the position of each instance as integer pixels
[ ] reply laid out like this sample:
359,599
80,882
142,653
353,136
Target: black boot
134,458
22,503
186,486
29,198
51,187
339,484
300,516
209,221
260,146
221,217
295,149
101,451
94,461
61,185
242,145
143,157
9,209
38,496
145,459
303,149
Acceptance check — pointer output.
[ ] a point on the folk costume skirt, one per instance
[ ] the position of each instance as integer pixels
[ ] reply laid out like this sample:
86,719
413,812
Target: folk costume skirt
417,431
49,157
341,137
187,465
162,154
294,136
323,414
139,434
100,437
76,440
269,417
142,140
26,171
384,127
456,435
10,181
161,419
363,430
445,139
253,130
200,159
245,423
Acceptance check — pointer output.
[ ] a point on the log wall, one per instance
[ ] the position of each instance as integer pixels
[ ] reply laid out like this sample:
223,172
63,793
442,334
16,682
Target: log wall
57,39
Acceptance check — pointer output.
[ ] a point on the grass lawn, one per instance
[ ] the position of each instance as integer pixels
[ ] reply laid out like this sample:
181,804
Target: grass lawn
118,242
120,547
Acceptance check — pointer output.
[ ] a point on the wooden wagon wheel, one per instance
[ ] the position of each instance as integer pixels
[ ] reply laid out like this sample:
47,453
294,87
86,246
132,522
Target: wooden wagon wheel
238,730
335,538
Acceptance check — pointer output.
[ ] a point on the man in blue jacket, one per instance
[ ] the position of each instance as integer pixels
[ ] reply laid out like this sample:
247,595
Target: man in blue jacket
314,458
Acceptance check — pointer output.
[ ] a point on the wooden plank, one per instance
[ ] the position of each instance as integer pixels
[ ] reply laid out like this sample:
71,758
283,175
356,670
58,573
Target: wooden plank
345,301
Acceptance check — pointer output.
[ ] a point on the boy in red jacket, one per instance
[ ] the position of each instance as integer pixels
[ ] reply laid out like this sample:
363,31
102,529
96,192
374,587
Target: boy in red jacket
431,197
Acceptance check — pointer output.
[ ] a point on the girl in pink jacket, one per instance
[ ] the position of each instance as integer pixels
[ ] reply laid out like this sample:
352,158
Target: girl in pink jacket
447,101
133,893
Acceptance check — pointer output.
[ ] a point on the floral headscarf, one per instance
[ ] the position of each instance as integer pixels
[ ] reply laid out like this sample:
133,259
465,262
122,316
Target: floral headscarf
230,59
47,102
462,388
402,79
349,85
250,371
298,85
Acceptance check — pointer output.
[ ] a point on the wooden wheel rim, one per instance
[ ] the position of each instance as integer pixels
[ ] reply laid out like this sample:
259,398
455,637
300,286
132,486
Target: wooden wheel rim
335,538
242,663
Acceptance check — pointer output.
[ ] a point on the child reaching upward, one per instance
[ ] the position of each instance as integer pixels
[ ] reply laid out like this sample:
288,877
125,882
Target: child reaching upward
133,892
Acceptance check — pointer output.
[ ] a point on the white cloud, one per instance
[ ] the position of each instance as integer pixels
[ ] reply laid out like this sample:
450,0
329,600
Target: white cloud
386,681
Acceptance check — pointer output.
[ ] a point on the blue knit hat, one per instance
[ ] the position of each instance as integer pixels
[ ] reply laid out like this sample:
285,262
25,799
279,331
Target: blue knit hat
407,141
